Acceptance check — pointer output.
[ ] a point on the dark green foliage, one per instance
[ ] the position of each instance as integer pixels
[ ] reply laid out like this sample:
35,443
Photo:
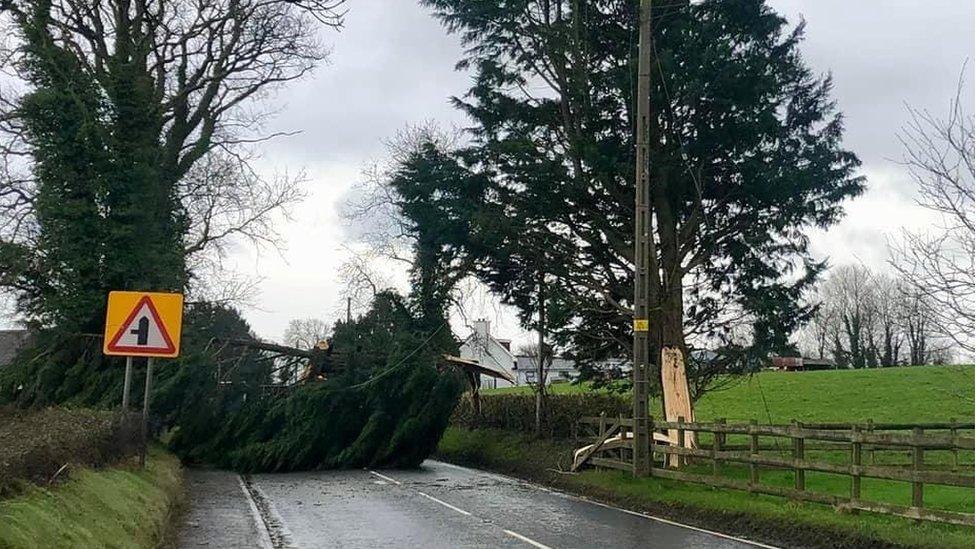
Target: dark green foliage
516,412
104,211
746,157
387,406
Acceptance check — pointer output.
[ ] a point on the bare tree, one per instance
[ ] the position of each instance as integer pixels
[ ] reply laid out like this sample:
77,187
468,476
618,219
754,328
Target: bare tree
361,277
305,333
207,67
849,294
917,327
939,264
817,336
889,309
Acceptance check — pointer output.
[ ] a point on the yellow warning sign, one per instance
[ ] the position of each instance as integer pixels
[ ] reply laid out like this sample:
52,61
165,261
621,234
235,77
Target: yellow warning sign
640,325
143,324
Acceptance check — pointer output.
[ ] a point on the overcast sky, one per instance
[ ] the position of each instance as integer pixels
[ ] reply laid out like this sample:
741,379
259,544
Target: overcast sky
392,65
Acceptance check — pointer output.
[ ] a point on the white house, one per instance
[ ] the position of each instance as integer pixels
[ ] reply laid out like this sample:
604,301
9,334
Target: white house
494,353
490,352
527,369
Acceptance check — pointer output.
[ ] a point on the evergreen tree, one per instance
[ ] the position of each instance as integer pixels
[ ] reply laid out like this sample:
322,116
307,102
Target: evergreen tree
745,157
387,405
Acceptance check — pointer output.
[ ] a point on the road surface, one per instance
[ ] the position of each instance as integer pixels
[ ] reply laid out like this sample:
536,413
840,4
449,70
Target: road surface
439,505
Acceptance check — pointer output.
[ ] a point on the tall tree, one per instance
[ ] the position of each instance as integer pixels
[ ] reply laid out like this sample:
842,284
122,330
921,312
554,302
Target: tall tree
940,263
745,156
305,333
123,99
132,133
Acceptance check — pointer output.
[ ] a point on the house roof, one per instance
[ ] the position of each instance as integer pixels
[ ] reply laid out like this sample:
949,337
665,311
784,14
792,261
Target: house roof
474,366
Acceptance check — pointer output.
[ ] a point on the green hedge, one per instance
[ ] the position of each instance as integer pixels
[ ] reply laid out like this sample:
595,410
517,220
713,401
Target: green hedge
34,445
516,413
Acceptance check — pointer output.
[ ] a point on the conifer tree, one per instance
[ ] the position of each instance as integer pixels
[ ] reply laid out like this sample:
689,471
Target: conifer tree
746,157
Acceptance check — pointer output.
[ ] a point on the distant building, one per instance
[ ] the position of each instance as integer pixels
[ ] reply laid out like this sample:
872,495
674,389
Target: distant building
11,342
527,370
495,353
799,363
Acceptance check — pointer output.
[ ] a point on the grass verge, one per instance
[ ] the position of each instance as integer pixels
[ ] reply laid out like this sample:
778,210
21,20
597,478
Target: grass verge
123,506
764,518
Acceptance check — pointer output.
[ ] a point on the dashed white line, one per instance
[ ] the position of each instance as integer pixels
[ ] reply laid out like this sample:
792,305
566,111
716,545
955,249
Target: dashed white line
445,504
530,541
515,535
386,478
587,500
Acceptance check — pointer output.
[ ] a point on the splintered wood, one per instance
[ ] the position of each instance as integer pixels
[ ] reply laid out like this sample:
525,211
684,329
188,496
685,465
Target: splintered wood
676,396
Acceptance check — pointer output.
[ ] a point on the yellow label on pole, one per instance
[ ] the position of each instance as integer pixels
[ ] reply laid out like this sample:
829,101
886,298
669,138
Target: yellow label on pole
640,325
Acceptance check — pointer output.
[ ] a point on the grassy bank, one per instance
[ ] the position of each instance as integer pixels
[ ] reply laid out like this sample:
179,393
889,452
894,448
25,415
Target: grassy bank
908,394
123,506
755,516
35,444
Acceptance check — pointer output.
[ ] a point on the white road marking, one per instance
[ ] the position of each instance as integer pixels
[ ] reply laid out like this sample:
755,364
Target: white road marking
445,504
264,539
386,478
530,541
628,511
689,527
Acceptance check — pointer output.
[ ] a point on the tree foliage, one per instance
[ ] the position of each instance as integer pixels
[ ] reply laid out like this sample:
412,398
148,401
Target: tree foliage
386,406
104,187
745,157
125,156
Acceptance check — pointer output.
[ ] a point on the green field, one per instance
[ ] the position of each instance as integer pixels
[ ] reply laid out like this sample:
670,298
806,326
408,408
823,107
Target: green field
907,394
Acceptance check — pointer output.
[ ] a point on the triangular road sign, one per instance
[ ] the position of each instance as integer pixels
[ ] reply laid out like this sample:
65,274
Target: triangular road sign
142,332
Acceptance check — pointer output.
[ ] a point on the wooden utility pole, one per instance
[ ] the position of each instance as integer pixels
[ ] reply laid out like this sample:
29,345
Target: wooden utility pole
642,225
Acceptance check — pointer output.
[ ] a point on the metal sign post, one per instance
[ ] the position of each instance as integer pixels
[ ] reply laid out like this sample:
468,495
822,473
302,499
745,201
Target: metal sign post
127,385
145,411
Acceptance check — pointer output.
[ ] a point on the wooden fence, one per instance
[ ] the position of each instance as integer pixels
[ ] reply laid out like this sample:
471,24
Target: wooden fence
851,442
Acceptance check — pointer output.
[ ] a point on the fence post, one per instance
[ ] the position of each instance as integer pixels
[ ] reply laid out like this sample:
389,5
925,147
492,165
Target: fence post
871,447
650,441
855,463
603,425
753,452
717,446
955,451
799,475
722,436
918,458
623,435
680,460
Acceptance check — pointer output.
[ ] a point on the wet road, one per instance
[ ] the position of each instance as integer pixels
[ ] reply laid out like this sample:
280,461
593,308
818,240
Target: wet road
439,505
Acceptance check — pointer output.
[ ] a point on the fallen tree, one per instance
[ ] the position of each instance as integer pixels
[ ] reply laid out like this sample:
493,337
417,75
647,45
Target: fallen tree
386,406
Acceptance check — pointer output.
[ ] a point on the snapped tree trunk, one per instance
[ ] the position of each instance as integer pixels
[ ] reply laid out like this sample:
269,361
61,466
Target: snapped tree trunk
675,393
